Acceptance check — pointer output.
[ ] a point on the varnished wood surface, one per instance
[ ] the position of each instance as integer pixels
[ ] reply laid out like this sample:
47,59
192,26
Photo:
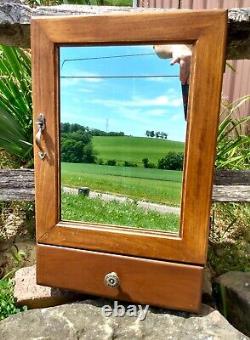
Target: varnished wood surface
45,100
83,270
174,26
143,281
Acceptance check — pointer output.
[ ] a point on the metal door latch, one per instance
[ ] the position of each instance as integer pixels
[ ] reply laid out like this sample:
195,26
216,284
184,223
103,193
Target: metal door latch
112,280
41,123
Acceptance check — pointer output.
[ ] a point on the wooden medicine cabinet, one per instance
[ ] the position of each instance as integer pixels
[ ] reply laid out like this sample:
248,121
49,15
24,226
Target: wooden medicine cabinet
113,217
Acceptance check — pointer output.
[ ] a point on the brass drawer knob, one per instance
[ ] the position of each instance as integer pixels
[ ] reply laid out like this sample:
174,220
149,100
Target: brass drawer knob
112,280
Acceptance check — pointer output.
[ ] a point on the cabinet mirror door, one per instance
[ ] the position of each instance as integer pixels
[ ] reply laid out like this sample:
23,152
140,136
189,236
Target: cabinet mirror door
122,165
122,135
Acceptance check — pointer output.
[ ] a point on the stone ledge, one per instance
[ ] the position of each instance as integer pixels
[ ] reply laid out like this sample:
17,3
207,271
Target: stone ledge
28,293
85,320
234,296
15,19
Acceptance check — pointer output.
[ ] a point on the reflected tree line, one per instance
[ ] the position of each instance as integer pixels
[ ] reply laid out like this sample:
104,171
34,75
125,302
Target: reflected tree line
76,147
157,134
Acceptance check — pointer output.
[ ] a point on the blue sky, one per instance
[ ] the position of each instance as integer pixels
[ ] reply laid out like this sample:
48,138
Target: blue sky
131,105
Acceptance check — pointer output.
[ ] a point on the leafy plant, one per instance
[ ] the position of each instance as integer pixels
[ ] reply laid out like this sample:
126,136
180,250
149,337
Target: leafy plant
111,162
229,239
16,103
233,147
147,164
76,147
17,255
130,164
172,161
7,301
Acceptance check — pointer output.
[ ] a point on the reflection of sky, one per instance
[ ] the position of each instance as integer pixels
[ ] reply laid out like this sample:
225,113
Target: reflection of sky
131,105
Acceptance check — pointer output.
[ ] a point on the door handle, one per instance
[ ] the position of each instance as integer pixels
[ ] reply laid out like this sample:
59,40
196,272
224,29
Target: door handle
41,123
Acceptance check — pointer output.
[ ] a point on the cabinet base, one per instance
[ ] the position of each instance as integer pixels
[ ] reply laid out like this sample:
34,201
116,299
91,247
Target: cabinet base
144,281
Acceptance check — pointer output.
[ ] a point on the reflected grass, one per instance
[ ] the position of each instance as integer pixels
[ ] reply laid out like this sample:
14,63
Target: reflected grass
153,185
81,208
134,149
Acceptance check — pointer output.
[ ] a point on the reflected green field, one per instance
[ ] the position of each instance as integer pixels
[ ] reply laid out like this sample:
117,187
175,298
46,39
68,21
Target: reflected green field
80,208
153,185
133,149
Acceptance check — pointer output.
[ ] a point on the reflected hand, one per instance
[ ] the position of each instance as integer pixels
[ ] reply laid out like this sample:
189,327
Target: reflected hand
180,54
185,62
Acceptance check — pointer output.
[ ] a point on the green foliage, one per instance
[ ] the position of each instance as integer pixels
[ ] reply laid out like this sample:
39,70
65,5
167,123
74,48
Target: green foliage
131,164
172,161
79,2
80,208
147,164
111,162
229,240
7,161
7,301
69,127
17,255
76,147
15,103
43,2
233,147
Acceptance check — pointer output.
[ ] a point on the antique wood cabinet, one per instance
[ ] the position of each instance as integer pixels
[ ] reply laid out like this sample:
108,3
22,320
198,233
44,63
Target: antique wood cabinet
124,263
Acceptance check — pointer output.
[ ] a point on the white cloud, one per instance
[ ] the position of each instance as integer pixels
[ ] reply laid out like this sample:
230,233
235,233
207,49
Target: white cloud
177,116
156,112
140,102
80,90
90,78
67,82
171,91
160,79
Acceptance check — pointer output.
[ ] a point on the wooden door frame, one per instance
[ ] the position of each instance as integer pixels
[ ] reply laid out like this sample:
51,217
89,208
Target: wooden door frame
206,30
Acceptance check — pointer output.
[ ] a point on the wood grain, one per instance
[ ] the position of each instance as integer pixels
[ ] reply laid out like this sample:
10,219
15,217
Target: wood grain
232,177
231,193
169,285
17,185
15,23
229,185
45,100
207,30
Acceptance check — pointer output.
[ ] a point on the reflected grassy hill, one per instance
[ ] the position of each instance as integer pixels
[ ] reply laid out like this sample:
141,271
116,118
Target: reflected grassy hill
133,149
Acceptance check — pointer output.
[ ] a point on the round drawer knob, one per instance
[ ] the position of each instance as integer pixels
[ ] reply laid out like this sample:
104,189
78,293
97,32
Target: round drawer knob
112,280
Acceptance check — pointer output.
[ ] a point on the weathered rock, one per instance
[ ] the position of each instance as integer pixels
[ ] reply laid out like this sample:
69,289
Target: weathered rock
85,320
207,282
28,293
234,288
9,231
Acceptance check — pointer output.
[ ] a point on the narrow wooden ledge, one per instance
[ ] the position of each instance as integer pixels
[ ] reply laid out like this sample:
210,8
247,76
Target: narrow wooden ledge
15,23
229,186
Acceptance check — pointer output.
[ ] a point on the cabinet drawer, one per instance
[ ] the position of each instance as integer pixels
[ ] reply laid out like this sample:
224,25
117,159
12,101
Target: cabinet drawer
144,281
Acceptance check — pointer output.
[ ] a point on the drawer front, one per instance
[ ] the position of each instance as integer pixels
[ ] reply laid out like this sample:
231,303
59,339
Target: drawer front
159,283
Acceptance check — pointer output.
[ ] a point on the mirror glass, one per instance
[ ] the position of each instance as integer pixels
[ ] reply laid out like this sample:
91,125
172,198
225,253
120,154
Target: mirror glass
122,136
